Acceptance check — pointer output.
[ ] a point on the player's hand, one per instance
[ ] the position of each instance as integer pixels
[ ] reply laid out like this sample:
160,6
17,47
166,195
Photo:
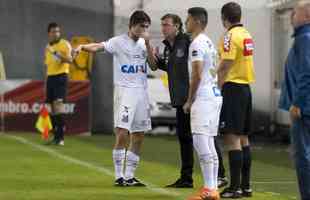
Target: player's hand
73,53
220,83
146,36
295,112
77,50
187,107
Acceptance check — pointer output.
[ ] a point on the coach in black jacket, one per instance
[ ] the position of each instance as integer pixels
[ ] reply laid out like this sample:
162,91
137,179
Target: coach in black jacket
174,62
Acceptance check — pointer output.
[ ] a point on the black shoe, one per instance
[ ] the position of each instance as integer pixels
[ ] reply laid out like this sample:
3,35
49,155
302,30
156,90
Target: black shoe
222,182
134,182
120,182
181,183
247,192
230,193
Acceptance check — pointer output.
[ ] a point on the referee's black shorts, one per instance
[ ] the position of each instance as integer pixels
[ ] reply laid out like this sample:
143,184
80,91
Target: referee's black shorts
56,87
236,113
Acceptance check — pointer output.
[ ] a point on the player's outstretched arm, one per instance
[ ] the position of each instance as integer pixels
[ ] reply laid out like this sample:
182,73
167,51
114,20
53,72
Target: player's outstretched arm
92,47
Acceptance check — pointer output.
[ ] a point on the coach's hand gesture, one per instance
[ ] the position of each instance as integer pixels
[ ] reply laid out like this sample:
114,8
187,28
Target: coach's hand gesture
187,107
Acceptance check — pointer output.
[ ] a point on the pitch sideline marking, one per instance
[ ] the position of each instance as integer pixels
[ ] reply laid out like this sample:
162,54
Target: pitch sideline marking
88,165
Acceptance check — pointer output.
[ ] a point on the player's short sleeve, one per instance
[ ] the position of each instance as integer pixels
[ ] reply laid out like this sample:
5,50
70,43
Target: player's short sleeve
110,45
196,52
228,47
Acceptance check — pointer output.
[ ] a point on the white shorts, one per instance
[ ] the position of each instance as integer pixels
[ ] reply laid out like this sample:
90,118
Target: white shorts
132,109
205,114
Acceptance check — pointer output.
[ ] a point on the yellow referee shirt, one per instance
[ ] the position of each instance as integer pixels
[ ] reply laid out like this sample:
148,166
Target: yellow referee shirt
52,61
237,45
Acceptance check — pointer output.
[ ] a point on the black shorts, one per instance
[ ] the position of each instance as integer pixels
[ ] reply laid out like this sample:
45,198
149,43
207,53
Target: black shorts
56,88
236,113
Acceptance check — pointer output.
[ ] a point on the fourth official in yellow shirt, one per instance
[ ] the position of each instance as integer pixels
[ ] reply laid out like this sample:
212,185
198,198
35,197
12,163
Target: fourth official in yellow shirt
235,74
237,45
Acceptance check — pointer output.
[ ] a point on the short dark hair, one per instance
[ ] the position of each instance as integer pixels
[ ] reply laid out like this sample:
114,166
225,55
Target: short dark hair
51,26
231,12
200,14
138,17
175,19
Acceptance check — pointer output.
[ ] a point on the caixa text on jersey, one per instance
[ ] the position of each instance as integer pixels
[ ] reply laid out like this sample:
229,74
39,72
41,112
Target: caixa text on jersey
133,69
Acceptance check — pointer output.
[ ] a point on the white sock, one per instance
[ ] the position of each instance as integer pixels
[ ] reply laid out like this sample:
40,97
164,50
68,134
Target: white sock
215,162
206,159
132,161
206,165
215,170
118,160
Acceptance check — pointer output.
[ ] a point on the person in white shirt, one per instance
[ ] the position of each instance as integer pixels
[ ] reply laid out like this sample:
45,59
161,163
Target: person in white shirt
131,105
204,101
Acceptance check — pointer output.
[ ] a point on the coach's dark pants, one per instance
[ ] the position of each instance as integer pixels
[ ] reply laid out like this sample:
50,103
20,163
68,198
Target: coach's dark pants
186,143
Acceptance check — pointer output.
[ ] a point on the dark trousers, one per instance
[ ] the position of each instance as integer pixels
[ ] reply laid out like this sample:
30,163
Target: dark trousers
221,171
186,143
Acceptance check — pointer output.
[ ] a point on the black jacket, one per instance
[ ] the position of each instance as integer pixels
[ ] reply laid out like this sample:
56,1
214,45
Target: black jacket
174,62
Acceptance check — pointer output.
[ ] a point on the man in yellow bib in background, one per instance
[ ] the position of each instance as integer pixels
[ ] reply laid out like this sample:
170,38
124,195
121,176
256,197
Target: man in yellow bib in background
57,60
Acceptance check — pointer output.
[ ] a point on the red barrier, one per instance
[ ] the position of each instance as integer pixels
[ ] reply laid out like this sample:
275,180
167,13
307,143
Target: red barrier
20,107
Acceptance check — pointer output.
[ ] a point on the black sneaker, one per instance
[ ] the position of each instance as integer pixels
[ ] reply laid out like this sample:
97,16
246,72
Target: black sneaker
120,182
222,182
134,182
247,192
230,193
181,183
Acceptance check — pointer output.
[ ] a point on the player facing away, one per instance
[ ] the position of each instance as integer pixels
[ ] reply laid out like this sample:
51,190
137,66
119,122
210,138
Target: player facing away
131,104
204,101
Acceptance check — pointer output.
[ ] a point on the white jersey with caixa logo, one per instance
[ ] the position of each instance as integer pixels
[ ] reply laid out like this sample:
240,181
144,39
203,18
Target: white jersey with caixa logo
129,60
131,103
206,108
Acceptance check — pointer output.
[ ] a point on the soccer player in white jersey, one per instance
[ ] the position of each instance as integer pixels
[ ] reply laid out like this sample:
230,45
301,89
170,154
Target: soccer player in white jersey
204,101
131,105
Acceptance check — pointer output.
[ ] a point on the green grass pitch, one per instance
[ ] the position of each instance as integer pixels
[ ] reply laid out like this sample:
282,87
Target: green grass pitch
83,170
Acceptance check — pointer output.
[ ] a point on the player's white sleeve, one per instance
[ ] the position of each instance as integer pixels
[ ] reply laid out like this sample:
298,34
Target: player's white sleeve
110,45
196,52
